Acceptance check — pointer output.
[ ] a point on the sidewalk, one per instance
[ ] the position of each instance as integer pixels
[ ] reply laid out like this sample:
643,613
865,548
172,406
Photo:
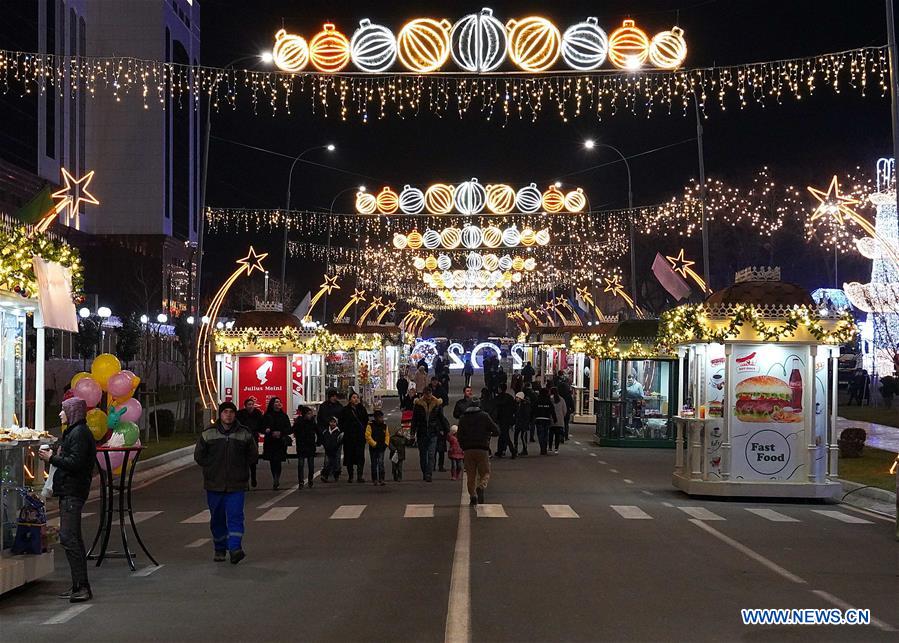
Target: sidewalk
879,436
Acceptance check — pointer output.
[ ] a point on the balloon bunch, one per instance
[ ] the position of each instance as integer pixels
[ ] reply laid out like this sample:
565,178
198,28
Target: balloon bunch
113,412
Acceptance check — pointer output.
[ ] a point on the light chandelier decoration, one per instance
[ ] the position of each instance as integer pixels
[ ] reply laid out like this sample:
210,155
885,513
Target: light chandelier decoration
471,237
480,43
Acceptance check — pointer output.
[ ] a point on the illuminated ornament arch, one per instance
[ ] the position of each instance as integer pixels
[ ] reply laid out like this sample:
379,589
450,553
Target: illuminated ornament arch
585,45
366,203
534,43
529,199
575,201
423,44
553,199
373,47
470,197
387,201
329,50
668,49
628,46
500,198
478,42
439,198
412,200
481,347
290,53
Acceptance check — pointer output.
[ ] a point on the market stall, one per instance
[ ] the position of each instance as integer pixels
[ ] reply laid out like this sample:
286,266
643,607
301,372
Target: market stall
758,397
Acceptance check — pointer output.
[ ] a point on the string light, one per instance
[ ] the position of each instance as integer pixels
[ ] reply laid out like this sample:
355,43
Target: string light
423,44
290,52
534,43
329,50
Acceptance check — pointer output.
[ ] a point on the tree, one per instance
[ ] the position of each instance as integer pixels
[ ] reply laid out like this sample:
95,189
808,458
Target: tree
87,339
128,339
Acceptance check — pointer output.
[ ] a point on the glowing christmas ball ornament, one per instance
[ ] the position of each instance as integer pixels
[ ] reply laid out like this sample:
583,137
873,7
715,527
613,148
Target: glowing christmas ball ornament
491,262
474,261
412,200
471,197
553,199
418,263
431,239
528,237
366,203
329,50
530,263
414,239
290,53
505,262
529,198
511,237
439,198
542,237
585,45
518,263
516,277
443,262
534,43
447,277
575,201
472,236
400,241
668,49
493,236
431,262
450,238
478,42
500,198
423,45
373,47
481,279
387,201
459,277
628,46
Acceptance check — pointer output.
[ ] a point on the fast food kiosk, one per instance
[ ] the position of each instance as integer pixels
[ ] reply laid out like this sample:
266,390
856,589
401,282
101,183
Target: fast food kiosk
757,396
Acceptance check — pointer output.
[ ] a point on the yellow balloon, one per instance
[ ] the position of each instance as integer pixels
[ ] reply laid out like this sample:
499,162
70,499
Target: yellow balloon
104,367
96,422
78,376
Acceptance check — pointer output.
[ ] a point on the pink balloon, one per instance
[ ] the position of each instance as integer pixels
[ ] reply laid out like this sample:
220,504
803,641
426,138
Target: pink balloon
133,410
116,458
88,390
133,454
119,385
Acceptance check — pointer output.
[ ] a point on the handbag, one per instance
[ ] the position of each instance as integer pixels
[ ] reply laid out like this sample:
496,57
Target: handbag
47,490
395,457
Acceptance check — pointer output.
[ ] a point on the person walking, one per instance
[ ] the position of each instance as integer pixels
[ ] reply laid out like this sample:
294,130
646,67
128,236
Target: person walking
332,440
251,417
565,392
505,418
306,437
475,430
353,420
402,387
557,426
330,408
276,431
463,403
456,455
225,451
421,379
378,437
531,396
428,422
468,371
74,460
397,448
527,373
442,394
544,415
523,422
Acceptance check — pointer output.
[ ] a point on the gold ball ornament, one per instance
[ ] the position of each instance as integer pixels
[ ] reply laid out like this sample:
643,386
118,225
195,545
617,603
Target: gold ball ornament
423,44
668,49
493,236
528,237
518,263
575,201
329,50
439,198
290,53
500,198
491,262
414,239
628,46
366,203
431,262
450,238
388,201
553,199
534,43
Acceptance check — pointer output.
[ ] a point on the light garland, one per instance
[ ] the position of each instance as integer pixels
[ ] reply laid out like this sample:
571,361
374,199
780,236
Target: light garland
20,244
610,347
471,237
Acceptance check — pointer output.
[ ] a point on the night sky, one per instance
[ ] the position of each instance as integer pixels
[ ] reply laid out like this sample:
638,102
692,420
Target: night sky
802,142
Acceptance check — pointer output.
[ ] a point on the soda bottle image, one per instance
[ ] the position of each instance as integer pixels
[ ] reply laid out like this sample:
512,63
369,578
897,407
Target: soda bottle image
796,385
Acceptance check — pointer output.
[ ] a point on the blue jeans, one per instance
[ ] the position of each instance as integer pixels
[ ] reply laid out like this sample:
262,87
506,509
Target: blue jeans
377,463
427,454
226,519
305,460
332,465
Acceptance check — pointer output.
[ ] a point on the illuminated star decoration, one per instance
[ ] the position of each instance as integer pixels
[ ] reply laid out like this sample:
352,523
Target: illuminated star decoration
375,303
562,302
586,296
682,266
74,194
325,288
388,307
614,287
358,295
253,261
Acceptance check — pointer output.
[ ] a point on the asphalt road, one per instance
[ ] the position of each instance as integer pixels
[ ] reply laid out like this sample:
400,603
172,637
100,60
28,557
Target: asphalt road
622,561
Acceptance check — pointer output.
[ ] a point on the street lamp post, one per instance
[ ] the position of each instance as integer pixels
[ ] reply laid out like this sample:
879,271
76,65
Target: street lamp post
330,147
361,188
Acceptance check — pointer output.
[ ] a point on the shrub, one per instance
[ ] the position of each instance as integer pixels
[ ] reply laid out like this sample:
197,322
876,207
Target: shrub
166,421
852,442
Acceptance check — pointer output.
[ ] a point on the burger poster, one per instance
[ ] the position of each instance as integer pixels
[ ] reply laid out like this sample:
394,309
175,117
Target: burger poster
768,394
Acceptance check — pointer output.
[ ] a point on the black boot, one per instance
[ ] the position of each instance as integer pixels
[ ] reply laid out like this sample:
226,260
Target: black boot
67,594
81,594
480,496
237,555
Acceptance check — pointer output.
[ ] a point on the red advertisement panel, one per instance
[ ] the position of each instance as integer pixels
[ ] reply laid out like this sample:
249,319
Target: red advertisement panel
263,376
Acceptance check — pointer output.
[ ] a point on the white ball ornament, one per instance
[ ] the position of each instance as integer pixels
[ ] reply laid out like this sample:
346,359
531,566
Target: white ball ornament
430,239
505,262
443,262
478,42
470,197
668,49
412,200
585,45
474,261
472,236
511,237
373,47
418,263
529,198
529,264
542,237
400,241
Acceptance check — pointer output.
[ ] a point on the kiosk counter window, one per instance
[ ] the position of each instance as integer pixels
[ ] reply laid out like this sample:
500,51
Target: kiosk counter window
635,403
12,367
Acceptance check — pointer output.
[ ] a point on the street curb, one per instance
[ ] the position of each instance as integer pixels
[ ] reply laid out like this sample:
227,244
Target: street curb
865,497
165,458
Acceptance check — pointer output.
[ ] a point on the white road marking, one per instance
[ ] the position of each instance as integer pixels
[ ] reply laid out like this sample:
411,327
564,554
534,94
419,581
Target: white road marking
626,481
577,443
754,555
491,511
419,511
458,609
348,512
667,504
281,496
865,512
276,513
201,517
843,605
631,512
770,514
592,455
199,542
701,513
149,569
603,462
839,515
140,516
54,522
647,492
67,614
613,470
560,511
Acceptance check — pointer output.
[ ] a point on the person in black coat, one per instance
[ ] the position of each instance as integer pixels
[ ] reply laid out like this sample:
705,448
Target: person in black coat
505,418
330,408
441,392
305,434
276,428
402,387
74,460
251,417
523,421
353,420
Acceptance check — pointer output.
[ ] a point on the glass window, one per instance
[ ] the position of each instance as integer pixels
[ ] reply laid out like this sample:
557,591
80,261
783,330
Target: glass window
635,399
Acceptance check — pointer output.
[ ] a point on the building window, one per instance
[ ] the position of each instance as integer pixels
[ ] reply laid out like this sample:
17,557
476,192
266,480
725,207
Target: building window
181,146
